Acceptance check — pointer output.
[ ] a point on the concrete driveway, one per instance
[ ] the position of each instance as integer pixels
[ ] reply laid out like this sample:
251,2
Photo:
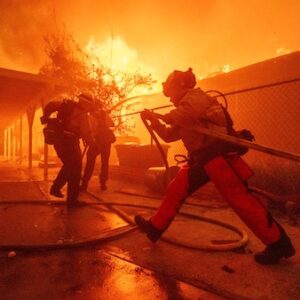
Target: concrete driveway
92,252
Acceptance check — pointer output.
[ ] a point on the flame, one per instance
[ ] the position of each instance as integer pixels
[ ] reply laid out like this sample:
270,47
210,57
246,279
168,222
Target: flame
115,54
282,51
226,68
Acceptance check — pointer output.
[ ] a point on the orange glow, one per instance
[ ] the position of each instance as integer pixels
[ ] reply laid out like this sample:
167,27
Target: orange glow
282,51
115,54
226,68
164,35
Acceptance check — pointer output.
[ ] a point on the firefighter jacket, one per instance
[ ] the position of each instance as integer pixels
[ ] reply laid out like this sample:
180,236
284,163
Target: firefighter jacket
72,120
79,124
101,124
194,109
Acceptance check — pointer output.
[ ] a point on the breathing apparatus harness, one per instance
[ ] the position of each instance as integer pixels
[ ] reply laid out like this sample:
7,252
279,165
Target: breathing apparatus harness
180,158
55,127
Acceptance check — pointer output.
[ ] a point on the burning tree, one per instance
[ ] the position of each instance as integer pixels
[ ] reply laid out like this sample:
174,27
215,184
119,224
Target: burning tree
69,64
66,62
113,89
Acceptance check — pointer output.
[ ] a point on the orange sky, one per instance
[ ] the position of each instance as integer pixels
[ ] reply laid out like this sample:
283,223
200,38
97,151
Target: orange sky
203,34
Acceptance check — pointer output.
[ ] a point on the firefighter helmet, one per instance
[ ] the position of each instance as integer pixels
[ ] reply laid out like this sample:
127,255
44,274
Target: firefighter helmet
86,100
179,79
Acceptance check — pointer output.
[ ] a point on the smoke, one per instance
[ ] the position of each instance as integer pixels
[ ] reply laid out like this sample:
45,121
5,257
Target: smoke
167,35
23,24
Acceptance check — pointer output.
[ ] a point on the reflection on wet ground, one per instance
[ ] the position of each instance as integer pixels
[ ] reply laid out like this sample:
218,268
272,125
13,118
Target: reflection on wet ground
28,215
87,274
130,266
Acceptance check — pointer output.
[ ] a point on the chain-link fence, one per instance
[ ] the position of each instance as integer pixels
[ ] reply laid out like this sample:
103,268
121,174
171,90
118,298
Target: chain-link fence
271,112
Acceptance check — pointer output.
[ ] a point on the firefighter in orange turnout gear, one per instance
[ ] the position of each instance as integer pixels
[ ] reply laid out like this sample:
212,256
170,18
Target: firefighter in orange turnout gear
209,159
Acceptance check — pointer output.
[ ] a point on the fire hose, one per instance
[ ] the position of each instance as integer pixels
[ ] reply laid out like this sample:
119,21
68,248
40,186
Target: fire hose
114,233
216,245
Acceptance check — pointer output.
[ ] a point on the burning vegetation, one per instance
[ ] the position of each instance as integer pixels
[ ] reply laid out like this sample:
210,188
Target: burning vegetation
82,70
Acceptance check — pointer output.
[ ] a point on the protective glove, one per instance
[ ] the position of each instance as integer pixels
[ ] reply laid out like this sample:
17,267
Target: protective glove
152,117
147,115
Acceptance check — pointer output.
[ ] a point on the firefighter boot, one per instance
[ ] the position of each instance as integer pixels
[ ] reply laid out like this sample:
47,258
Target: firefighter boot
152,233
55,191
274,252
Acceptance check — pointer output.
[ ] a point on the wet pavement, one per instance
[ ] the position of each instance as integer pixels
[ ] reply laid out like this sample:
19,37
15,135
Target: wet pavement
92,252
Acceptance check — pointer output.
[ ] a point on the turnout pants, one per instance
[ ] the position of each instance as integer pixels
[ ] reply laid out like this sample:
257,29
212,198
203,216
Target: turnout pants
69,153
229,174
92,153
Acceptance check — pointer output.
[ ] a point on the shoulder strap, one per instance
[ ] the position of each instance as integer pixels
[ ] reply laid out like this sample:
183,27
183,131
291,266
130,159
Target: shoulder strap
229,121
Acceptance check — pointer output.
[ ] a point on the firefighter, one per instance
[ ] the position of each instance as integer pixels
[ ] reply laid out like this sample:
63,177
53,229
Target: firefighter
73,121
209,159
104,137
